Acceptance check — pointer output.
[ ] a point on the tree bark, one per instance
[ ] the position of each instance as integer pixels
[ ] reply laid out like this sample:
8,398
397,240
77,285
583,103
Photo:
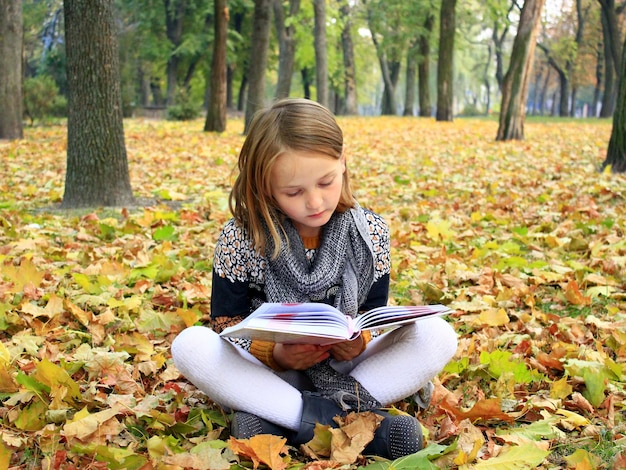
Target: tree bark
11,70
286,45
389,92
97,167
612,31
515,84
616,152
411,74
174,10
608,101
258,59
216,114
321,55
349,63
445,65
423,68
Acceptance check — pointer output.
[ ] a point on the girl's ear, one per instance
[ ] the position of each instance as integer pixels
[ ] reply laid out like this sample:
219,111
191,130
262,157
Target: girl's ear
343,163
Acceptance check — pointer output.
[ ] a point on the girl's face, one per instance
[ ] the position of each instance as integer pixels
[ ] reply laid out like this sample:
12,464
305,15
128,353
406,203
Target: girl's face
307,187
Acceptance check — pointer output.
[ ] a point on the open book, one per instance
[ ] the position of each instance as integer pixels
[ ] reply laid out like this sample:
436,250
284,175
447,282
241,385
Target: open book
318,323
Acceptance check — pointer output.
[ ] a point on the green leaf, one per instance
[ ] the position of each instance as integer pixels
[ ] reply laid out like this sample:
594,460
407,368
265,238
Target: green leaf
523,457
166,232
420,460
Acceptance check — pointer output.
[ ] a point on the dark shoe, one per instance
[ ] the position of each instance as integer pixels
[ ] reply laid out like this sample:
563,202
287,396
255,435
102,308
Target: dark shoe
397,436
343,389
245,425
315,409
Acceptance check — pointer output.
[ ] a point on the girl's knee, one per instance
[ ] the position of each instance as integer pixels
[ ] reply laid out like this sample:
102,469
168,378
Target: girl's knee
443,337
193,341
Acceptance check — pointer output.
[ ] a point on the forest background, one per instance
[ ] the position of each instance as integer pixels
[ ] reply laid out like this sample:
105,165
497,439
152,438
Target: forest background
166,52
524,239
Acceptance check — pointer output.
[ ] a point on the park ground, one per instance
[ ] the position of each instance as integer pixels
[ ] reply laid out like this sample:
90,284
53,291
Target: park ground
524,240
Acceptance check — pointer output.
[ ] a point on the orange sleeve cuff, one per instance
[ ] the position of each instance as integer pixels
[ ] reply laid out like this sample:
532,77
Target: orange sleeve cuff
264,352
367,337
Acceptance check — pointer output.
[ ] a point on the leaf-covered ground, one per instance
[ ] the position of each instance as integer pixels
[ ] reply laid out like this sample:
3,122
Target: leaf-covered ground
525,240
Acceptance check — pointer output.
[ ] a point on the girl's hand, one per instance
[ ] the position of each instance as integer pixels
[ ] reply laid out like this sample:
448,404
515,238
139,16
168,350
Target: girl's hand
348,350
299,356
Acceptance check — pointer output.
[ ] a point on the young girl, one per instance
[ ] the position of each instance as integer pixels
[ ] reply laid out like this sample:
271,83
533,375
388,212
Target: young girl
298,235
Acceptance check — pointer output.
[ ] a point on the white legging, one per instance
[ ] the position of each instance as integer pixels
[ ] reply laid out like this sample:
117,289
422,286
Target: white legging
394,366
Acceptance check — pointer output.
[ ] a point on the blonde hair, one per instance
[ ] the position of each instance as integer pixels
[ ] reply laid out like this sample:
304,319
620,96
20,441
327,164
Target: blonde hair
289,124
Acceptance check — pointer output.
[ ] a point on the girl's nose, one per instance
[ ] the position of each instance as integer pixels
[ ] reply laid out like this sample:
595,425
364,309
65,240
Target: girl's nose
314,200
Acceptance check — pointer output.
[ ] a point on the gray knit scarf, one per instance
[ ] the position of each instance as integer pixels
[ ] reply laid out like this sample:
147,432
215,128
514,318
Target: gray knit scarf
345,258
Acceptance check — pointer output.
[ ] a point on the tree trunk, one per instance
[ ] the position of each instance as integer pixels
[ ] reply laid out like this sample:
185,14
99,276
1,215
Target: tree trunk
544,92
174,10
11,69
349,63
411,74
498,40
216,115
515,84
389,92
321,55
597,89
613,40
423,68
258,59
97,168
286,45
305,73
445,64
616,152
608,101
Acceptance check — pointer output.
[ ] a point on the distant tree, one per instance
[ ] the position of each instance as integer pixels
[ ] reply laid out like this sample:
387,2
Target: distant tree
285,30
445,65
97,167
11,69
351,107
515,83
216,114
610,36
411,76
321,53
423,67
384,23
174,16
258,59
616,152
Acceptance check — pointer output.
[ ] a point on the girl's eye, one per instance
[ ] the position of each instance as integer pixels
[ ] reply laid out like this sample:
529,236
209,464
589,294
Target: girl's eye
293,194
326,183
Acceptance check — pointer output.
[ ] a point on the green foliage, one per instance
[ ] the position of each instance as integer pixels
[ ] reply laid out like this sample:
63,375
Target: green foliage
42,99
185,108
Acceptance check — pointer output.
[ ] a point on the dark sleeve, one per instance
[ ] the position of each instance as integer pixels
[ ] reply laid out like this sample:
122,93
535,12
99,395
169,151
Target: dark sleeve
378,294
230,300
379,233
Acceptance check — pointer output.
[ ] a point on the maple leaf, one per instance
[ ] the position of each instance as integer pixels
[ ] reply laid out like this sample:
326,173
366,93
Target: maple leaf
262,448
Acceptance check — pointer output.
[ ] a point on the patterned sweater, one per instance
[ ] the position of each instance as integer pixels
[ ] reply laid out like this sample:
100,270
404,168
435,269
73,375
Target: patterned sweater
239,279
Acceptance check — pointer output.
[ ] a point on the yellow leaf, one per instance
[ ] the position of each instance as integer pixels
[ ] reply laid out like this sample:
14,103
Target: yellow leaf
573,418
574,295
84,423
561,389
494,317
439,229
581,460
5,356
5,456
57,377
26,274
262,448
